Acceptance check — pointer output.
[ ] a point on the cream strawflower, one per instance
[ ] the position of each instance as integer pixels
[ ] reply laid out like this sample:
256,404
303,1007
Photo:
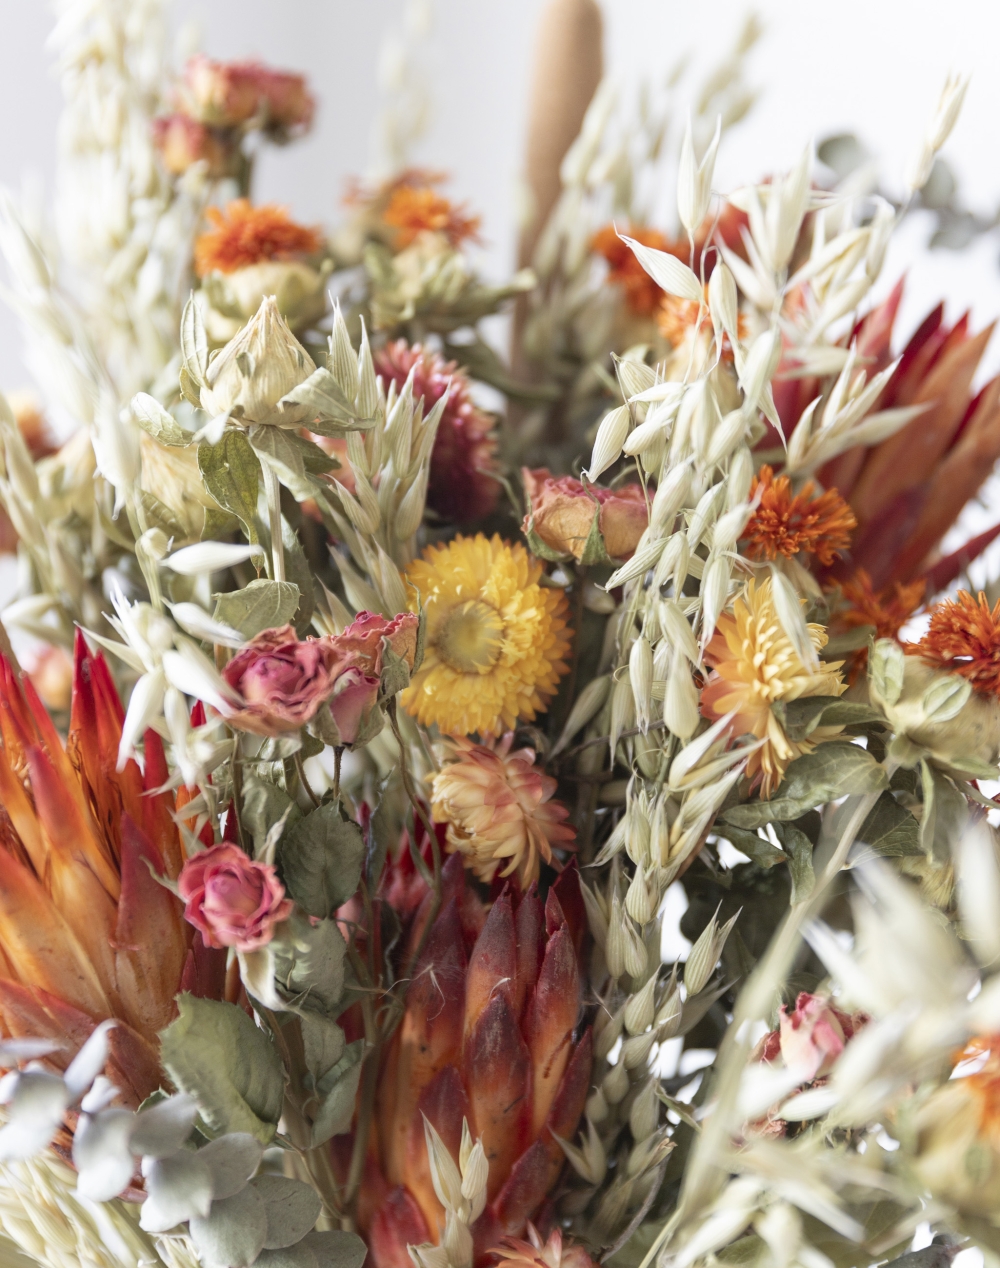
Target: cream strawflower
754,665
498,808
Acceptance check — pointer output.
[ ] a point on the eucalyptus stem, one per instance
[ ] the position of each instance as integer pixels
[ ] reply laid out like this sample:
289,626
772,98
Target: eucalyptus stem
272,491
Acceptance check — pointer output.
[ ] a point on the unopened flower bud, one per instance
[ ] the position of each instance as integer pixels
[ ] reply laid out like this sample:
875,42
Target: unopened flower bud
639,1009
615,1084
645,1112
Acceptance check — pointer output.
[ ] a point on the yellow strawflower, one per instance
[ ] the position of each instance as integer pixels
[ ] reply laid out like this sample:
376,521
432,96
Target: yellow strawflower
495,638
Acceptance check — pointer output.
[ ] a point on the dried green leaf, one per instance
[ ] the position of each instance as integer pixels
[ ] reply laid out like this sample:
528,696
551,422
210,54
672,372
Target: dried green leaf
309,964
890,831
231,474
832,771
261,605
339,1089
757,849
320,860
153,418
215,1053
799,718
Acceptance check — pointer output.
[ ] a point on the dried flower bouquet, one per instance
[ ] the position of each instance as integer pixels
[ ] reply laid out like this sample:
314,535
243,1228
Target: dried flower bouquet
373,735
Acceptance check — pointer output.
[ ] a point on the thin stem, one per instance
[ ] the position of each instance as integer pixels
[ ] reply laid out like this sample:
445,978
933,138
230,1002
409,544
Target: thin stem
300,770
338,754
272,491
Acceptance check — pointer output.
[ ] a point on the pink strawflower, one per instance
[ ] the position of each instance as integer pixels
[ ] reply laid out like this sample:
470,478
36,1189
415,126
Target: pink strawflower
459,489
231,900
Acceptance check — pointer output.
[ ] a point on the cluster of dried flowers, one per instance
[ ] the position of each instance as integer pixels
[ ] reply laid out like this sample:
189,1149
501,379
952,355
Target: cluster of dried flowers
345,935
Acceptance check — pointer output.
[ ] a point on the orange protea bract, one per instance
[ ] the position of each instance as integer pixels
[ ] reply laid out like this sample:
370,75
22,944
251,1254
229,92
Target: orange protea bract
784,524
86,931
460,487
413,209
642,295
499,809
964,638
243,234
489,1035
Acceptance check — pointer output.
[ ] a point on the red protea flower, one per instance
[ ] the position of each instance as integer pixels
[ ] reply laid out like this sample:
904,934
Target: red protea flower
461,488
86,932
489,1035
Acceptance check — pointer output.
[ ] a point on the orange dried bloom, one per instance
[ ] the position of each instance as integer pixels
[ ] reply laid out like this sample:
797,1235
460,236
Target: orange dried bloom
887,610
642,295
244,235
415,209
676,320
784,524
964,637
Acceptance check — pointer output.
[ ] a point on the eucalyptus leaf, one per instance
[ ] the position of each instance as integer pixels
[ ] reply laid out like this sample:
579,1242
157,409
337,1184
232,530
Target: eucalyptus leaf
336,1249
292,1209
830,772
231,473
232,1234
261,605
215,1053
320,860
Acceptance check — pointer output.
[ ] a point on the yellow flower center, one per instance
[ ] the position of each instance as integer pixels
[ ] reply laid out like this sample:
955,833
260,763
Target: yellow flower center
470,638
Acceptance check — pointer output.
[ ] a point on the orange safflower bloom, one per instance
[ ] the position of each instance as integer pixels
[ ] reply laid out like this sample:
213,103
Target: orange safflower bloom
244,235
784,524
415,209
964,637
887,610
642,295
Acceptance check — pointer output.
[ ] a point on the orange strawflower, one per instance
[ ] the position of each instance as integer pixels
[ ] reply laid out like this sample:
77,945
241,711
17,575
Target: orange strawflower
784,524
415,209
642,295
887,610
244,235
964,637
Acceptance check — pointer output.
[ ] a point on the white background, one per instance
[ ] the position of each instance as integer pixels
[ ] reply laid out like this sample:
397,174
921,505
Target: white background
872,66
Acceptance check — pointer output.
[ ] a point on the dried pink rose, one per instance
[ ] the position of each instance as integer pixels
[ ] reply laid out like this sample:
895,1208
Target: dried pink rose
230,899
813,1035
284,682
363,638
225,94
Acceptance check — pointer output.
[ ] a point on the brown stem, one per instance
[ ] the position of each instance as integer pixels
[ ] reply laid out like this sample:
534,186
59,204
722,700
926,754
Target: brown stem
300,770
338,754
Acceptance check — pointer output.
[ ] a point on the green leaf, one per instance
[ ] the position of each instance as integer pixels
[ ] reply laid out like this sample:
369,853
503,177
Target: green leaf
215,1053
799,718
320,860
757,849
946,812
285,453
194,343
336,415
158,515
153,418
264,805
323,1043
231,474
339,1090
309,964
890,831
800,863
832,771
262,605
233,1232
292,1208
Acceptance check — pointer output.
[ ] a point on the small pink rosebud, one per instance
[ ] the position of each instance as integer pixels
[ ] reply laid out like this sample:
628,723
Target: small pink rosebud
222,94
230,899
562,513
813,1035
182,142
354,696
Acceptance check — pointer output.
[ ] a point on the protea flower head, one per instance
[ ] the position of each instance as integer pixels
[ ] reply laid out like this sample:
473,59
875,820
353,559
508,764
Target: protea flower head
490,1038
460,487
86,932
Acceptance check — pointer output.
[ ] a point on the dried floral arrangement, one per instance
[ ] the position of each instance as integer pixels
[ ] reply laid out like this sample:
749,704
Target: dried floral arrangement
373,730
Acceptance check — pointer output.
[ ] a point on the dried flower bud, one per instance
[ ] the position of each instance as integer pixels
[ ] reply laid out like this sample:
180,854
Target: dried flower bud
615,1084
704,955
680,704
694,181
254,372
597,1109
636,1050
644,1116
671,495
640,1008
609,440
640,672
607,1031
723,304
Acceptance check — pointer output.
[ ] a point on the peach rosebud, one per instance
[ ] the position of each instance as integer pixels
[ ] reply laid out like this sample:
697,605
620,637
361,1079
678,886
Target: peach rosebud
221,93
562,514
232,900
354,696
283,681
363,638
182,142
813,1035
